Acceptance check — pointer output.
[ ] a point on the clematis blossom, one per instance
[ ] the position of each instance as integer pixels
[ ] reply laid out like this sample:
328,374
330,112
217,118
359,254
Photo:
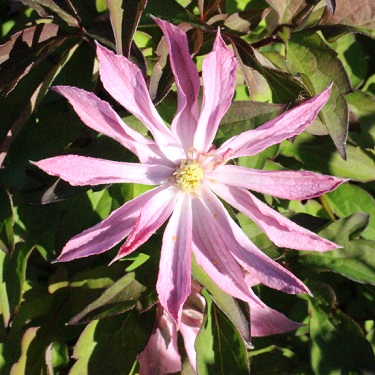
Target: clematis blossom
190,176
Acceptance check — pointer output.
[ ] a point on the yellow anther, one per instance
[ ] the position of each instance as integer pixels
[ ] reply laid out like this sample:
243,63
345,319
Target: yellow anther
189,176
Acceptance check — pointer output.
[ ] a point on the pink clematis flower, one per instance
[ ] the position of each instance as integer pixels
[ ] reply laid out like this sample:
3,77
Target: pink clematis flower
191,174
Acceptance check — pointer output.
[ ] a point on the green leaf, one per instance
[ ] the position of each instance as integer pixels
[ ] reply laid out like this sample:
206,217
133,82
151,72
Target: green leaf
318,154
110,346
309,56
118,298
125,15
220,348
6,222
356,260
348,199
349,17
338,344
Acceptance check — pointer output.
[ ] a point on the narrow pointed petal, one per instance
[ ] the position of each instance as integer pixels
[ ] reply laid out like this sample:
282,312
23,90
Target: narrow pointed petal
212,253
282,184
99,115
253,260
152,216
266,321
109,232
82,170
282,231
285,126
219,77
160,355
187,83
124,81
174,280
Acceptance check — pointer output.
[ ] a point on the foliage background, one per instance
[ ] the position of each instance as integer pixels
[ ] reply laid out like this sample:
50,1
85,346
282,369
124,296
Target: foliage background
288,51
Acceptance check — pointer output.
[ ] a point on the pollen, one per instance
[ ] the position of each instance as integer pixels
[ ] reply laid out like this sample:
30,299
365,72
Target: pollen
189,176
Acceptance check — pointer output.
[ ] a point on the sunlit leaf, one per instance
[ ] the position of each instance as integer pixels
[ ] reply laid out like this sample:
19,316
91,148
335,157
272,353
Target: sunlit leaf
220,348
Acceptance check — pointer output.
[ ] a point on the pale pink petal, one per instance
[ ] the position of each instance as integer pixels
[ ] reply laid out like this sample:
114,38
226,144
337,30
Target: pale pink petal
266,321
219,77
109,232
282,231
152,216
187,82
253,260
285,126
282,184
124,81
160,356
173,285
82,170
99,115
212,253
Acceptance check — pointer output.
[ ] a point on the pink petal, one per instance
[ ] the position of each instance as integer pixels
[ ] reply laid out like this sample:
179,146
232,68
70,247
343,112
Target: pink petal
99,115
282,231
124,81
266,321
160,355
219,77
285,126
282,184
212,253
187,82
254,261
82,170
173,285
109,232
152,216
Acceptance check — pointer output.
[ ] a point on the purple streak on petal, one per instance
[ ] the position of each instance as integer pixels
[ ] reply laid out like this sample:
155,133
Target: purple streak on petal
282,184
211,251
219,77
253,260
187,82
160,355
173,285
266,321
82,170
285,126
152,216
99,115
282,231
124,81
109,232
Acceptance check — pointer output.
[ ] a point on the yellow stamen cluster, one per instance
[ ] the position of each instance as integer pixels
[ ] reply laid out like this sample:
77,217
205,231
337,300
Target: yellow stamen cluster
189,176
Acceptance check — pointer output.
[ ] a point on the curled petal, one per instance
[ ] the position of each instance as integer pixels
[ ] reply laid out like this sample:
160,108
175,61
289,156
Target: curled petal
99,115
253,260
187,82
124,81
152,216
282,231
173,285
109,232
219,77
282,184
82,170
282,127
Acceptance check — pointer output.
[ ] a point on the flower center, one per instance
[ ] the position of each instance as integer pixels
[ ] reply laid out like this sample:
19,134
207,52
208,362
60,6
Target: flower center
189,176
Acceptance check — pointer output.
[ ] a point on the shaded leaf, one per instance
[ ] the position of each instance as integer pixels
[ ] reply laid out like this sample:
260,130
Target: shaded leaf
125,15
246,21
118,298
230,306
220,348
331,4
356,260
208,8
338,344
110,346
6,223
308,55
